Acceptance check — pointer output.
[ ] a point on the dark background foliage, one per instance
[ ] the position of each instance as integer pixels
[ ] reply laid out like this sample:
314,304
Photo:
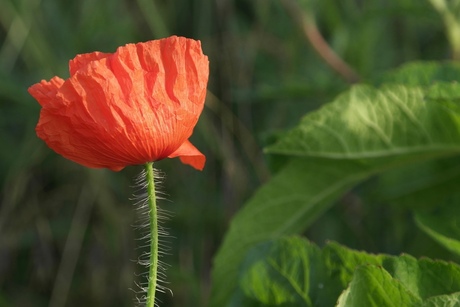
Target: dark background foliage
66,232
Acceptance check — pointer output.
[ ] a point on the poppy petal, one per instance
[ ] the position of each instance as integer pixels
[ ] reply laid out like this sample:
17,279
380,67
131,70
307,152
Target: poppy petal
45,91
65,142
81,60
190,155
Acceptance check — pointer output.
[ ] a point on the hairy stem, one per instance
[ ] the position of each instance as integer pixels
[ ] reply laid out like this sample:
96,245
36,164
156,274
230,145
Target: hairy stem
153,267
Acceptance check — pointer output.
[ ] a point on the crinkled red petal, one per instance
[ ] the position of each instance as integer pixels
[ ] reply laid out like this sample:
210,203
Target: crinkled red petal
137,105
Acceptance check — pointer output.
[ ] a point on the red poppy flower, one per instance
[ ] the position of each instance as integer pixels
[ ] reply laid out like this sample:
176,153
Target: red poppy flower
137,105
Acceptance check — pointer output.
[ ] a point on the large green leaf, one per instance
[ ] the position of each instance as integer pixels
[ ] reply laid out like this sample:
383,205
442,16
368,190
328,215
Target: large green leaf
372,286
278,273
369,123
364,132
451,300
290,271
424,278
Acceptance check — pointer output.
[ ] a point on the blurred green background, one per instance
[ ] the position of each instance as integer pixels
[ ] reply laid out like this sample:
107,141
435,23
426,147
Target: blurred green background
66,232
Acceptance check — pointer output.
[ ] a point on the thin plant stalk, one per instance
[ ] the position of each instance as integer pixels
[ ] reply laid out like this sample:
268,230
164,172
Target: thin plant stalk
307,23
450,13
153,217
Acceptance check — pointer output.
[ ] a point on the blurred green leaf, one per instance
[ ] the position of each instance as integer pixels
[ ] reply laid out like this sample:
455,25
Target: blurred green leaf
422,73
364,132
419,185
285,205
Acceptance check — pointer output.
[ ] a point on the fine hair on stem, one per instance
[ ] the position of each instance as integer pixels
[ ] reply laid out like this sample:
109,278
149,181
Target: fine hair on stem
153,241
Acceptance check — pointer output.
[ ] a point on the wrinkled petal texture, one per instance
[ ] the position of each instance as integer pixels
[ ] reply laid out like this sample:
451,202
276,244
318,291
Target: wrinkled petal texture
137,105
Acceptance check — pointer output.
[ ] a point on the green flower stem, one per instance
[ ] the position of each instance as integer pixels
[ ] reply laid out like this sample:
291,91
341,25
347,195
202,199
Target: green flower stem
153,268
